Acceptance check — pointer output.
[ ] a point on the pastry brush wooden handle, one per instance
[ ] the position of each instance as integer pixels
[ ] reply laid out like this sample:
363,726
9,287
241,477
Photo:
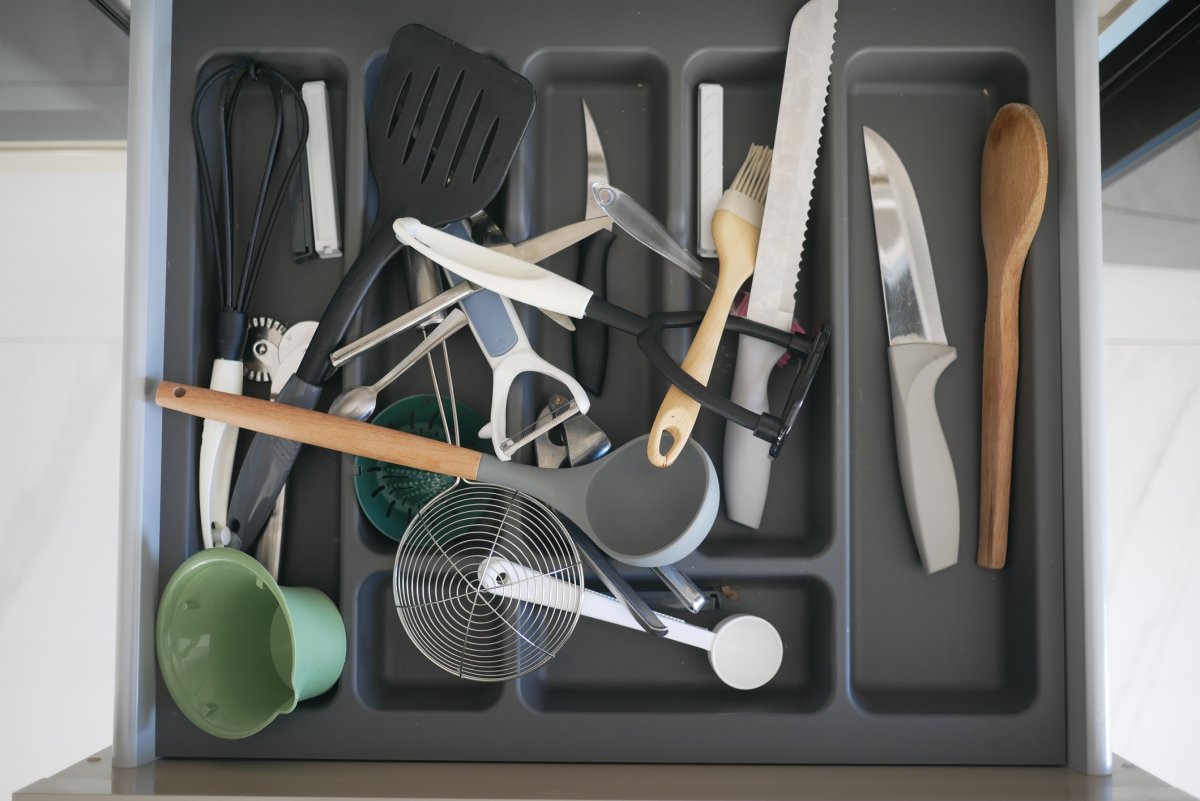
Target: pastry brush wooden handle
737,245
320,429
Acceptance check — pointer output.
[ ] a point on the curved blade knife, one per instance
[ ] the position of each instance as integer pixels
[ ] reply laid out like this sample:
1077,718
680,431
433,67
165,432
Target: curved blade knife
589,345
917,355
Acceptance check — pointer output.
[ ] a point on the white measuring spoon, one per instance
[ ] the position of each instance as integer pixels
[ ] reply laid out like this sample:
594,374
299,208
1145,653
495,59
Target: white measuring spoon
745,651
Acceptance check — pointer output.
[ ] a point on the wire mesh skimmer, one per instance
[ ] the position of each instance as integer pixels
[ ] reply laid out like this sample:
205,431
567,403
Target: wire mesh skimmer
448,614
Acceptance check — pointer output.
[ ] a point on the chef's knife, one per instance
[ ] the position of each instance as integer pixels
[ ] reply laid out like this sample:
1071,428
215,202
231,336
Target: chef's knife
785,220
589,344
917,355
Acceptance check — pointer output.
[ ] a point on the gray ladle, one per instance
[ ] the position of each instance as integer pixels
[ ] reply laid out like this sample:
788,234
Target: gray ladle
637,513
358,403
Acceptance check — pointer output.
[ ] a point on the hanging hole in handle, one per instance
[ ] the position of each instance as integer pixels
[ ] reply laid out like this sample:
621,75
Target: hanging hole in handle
179,392
674,443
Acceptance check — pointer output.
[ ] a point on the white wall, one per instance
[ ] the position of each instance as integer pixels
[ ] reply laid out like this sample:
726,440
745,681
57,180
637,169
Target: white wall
1152,387
61,271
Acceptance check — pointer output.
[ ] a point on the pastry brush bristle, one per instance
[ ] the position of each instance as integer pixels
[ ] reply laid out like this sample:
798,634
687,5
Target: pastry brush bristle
751,179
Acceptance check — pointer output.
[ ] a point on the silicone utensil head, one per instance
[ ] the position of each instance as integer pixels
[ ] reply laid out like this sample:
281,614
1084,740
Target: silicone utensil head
443,128
746,651
638,514
389,495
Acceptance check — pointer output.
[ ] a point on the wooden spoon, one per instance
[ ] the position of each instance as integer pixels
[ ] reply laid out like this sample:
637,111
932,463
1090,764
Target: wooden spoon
1015,170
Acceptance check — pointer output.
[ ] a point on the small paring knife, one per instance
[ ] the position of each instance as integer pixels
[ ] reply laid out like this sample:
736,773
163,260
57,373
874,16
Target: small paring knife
917,355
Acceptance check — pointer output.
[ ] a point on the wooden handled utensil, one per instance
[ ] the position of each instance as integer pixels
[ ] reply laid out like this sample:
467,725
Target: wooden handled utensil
320,429
636,513
735,227
1013,187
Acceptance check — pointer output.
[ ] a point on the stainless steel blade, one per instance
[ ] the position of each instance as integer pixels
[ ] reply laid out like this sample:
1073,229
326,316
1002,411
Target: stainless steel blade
909,291
597,167
549,419
643,226
543,246
794,164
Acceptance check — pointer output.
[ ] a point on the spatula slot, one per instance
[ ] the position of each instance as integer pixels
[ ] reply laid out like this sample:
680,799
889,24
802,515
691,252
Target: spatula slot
463,136
485,150
396,109
440,133
422,111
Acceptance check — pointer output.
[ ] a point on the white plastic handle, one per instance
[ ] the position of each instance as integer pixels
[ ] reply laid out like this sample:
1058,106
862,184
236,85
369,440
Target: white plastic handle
744,651
218,441
504,275
520,358
511,580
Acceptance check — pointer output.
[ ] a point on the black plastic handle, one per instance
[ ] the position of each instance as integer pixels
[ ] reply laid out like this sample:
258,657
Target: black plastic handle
766,426
265,469
589,345
380,248
269,461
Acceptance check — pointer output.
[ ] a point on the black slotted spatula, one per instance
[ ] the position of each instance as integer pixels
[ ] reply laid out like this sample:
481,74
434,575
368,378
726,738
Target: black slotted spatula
443,129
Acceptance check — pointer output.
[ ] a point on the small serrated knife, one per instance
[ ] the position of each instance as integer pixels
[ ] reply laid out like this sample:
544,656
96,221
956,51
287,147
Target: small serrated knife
785,221
917,355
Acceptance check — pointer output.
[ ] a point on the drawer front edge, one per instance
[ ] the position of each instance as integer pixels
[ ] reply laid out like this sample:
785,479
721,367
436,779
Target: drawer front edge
141,369
1085,539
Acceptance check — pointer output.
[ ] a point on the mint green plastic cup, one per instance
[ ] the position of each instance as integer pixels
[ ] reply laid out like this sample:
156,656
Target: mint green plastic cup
236,649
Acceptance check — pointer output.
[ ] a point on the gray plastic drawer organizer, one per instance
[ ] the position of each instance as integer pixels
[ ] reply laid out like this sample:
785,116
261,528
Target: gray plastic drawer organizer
882,663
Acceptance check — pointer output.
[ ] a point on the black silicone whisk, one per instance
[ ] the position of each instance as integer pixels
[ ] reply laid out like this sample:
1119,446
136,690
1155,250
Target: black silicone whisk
237,236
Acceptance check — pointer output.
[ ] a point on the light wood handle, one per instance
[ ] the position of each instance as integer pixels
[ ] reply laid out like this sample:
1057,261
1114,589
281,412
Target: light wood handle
1001,346
737,245
1013,184
320,429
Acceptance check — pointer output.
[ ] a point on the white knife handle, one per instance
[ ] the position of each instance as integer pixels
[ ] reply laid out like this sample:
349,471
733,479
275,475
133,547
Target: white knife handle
926,470
218,442
747,459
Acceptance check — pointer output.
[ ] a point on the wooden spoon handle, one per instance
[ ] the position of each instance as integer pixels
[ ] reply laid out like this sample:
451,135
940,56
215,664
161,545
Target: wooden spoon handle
678,411
1001,346
1013,195
320,429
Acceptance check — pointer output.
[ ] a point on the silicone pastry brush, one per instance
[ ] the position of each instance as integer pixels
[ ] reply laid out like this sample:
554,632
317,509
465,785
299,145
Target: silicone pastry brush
735,229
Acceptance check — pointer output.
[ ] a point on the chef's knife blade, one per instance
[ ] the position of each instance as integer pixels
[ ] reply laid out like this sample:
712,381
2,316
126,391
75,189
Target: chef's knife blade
909,292
785,222
589,344
917,355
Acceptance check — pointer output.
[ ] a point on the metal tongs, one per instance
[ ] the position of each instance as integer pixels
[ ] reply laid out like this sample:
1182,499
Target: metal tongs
528,283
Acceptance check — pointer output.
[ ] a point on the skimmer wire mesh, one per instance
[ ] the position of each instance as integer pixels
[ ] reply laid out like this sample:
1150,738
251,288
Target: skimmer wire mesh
449,616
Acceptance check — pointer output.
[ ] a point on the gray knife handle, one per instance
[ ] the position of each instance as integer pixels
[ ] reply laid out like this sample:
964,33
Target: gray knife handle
926,470
747,458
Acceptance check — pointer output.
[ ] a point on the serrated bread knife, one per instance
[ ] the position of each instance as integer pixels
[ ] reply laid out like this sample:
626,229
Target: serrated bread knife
785,220
917,355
